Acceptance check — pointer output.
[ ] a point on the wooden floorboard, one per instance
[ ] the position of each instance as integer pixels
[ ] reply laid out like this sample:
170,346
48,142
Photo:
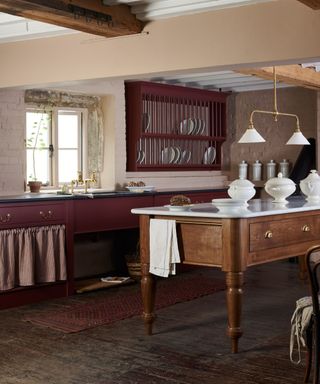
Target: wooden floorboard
189,344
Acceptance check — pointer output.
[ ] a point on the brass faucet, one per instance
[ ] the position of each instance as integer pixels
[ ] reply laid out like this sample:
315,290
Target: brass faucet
85,182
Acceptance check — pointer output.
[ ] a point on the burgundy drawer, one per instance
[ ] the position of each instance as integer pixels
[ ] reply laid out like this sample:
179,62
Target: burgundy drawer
31,214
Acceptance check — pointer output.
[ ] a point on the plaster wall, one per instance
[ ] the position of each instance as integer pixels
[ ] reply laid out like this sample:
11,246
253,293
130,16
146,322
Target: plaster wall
283,31
300,101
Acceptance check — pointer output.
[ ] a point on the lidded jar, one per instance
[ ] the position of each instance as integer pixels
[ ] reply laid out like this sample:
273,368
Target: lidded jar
243,169
310,186
241,189
280,188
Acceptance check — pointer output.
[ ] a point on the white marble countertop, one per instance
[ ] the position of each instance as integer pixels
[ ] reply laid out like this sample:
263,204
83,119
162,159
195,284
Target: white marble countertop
255,208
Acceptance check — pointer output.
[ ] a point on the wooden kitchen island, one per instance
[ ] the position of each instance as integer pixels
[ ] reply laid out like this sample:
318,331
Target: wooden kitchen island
233,241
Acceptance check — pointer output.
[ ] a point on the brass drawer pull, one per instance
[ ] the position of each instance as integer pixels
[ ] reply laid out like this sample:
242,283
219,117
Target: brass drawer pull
268,235
6,218
46,216
305,228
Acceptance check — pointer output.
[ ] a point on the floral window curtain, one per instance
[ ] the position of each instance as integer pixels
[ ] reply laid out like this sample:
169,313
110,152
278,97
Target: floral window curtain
45,98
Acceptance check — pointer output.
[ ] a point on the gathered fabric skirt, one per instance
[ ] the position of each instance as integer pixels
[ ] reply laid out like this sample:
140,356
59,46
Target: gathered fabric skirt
32,255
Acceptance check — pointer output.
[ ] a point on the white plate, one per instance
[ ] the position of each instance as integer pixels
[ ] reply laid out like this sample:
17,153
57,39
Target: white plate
229,205
209,155
185,156
178,208
145,188
177,155
168,155
140,156
202,127
145,122
187,126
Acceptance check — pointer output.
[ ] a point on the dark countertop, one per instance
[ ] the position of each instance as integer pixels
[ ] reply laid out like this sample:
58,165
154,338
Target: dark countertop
36,197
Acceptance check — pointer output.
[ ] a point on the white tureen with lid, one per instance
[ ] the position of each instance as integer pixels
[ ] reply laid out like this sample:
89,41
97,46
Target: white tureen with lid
241,189
280,188
310,186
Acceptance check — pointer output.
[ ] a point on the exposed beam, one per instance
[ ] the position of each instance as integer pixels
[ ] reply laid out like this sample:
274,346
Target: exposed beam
289,74
314,4
89,16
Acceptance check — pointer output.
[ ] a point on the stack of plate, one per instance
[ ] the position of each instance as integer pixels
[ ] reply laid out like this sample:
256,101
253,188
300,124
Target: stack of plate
194,126
171,155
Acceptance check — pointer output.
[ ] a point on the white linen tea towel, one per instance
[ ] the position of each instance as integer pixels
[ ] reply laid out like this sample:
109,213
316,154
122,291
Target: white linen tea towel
164,252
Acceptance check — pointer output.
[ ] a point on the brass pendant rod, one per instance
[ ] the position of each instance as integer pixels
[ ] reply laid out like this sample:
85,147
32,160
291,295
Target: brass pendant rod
275,113
275,91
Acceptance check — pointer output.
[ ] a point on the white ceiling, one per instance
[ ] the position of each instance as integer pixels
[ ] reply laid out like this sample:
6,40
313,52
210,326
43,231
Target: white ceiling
13,28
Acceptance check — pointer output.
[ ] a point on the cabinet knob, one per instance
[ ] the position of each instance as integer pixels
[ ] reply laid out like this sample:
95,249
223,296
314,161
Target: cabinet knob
268,235
47,215
6,218
305,228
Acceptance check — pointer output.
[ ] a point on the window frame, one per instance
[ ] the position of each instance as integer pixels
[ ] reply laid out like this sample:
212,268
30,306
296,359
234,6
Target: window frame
53,136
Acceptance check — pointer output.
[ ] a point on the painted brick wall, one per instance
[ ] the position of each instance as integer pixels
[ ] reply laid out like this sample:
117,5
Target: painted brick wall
12,135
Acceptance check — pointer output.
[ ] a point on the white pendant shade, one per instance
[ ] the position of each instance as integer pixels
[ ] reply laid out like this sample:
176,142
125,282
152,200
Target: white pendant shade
297,139
251,135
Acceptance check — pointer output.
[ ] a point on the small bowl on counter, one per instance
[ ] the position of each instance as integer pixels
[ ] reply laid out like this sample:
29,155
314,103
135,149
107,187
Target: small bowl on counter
229,205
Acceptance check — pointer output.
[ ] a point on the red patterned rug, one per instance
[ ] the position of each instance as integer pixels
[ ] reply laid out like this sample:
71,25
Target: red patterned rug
123,305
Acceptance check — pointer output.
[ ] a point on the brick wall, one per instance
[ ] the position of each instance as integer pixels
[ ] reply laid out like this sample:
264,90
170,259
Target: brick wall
12,135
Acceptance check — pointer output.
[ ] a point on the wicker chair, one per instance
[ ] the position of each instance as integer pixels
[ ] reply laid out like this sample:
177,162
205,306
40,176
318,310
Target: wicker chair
313,333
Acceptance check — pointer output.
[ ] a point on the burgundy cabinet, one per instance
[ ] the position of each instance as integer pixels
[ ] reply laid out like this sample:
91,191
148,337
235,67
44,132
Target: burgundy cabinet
106,214
196,197
174,128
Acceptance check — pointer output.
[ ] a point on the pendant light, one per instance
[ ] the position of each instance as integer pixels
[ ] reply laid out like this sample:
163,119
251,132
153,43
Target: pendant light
251,135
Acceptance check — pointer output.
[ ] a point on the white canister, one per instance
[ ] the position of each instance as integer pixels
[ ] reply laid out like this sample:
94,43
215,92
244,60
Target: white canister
271,169
256,170
284,167
243,170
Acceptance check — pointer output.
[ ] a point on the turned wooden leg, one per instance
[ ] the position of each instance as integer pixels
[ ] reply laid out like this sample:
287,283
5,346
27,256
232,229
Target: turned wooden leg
148,291
148,281
234,281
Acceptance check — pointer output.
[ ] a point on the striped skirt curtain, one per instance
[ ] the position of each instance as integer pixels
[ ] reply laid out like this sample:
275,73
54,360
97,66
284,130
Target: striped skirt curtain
32,255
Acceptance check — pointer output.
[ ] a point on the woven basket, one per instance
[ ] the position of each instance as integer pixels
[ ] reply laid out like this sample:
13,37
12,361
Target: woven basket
134,270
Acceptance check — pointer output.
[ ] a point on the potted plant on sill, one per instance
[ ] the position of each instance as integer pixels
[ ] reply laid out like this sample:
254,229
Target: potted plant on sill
35,141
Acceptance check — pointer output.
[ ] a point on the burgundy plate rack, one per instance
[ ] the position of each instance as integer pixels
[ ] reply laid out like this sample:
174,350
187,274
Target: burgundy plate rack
173,127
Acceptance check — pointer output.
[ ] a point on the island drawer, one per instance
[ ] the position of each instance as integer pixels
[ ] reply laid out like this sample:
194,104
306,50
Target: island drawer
266,235
31,214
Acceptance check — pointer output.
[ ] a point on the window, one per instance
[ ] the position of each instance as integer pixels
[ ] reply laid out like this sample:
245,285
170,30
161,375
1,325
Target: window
54,145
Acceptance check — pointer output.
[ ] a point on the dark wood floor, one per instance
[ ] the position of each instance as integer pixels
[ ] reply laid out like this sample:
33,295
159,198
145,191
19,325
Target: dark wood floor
189,344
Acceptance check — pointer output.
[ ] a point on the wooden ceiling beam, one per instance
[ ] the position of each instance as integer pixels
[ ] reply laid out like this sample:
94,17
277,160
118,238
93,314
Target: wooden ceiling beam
289,74
89,16
314,4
